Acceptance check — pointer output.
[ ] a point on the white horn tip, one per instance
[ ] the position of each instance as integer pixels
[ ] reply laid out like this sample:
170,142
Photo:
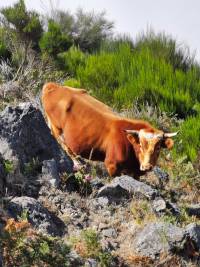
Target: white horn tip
170,134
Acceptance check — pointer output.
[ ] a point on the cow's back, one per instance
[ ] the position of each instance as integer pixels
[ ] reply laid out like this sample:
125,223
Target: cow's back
82,118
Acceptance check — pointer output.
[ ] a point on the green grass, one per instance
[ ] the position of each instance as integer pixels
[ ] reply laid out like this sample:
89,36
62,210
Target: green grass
8,165
88,246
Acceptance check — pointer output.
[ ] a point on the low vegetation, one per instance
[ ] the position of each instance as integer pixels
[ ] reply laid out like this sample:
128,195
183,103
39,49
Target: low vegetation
23,246
89,246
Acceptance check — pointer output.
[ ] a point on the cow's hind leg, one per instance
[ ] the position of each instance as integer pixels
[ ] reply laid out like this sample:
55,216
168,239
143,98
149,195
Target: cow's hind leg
58,135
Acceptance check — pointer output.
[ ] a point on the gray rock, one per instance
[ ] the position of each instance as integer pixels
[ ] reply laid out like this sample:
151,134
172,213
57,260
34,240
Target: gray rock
173,208
193,230
29,137
74,259
157,238
162,175
38,215
1,260
125,186
159,205
2,176
110,232
194,210
100,202
96,183
91,263
50,172
25,137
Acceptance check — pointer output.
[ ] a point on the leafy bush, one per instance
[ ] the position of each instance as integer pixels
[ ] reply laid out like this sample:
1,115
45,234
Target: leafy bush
164,46
26,23
87,29
72,83
22,246
113,44
71,60
90,29
122,76
54,41
4,52
188,143
8,165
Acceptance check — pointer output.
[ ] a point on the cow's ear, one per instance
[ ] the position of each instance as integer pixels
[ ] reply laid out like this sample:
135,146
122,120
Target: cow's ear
167,143
133,138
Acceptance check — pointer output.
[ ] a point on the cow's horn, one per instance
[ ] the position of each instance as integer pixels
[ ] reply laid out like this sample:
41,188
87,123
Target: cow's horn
132,131
166,135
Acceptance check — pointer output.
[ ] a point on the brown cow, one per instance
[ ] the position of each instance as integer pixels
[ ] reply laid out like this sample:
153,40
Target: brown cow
83,124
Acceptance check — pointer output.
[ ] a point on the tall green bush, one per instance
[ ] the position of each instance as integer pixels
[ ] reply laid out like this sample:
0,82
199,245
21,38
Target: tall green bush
4,52
26,24
122,76
164,46
188,139
54,41
71,60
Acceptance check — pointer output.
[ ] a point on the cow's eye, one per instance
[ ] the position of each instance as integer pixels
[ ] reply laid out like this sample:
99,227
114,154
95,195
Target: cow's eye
158,148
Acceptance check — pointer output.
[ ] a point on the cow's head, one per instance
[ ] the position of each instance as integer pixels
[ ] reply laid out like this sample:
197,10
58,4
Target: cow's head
147,145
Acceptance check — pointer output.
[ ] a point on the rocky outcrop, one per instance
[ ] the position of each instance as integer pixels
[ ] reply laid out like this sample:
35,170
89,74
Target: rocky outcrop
193,230
158,238
27,144
28,136
2,176
37,215
126,186
194,210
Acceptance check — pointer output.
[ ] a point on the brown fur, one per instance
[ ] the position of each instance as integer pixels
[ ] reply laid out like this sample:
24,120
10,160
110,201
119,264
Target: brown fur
82,123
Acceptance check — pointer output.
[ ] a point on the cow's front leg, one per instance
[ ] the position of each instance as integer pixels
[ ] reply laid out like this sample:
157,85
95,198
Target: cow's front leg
111,167
114,159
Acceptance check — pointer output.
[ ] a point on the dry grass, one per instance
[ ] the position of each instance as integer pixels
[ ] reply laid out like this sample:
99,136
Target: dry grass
142,211
139,261
87,244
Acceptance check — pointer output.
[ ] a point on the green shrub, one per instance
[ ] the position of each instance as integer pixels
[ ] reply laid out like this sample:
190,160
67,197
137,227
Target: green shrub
72,83
4,52
90,29
26,24
9,166
164,46
88,246
122,76
54,41
113,44
71,60
188,143
23,246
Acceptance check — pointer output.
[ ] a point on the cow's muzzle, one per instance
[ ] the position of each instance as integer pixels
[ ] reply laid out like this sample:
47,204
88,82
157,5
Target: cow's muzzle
146,167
